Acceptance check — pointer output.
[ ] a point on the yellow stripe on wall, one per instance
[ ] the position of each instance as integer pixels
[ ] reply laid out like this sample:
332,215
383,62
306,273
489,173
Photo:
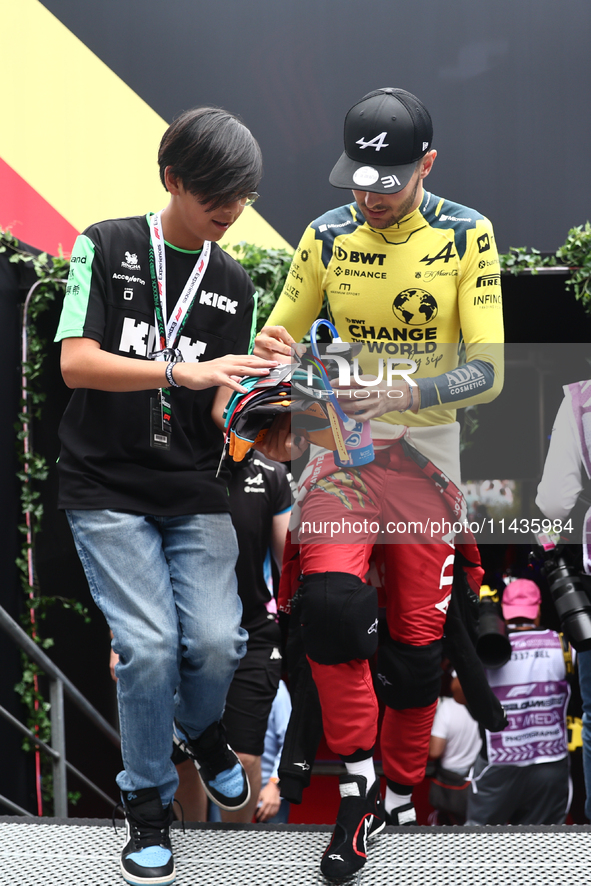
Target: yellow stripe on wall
77,133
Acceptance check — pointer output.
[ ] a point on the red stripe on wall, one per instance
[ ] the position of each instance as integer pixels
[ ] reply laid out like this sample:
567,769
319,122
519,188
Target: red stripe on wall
30,218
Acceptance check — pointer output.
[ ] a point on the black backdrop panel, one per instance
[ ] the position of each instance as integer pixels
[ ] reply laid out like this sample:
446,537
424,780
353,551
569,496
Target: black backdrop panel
81,650
546,330
17,778
507,84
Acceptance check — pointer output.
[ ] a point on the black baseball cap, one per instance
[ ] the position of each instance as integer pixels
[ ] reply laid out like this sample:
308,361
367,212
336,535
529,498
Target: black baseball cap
386,133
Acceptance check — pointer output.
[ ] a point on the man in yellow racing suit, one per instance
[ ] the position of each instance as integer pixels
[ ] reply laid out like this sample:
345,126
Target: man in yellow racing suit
416,279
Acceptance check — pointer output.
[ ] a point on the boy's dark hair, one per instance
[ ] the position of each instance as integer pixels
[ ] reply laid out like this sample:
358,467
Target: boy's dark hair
213,154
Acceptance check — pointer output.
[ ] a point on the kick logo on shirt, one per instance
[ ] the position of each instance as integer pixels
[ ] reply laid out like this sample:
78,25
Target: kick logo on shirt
139,337
221,302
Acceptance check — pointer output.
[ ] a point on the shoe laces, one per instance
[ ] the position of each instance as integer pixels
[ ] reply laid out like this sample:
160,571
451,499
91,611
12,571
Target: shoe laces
152,832
216,756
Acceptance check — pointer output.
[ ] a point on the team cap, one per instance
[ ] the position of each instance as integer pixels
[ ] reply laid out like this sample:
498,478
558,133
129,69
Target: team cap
521,599
385,134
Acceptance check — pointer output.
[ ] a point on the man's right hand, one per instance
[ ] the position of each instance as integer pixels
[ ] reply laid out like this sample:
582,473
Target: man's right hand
275,343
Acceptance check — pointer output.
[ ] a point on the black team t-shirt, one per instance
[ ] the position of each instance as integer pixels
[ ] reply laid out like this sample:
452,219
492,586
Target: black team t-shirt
106,460
259,490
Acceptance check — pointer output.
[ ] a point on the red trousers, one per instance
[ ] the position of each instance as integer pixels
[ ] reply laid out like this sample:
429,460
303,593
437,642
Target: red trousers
416,587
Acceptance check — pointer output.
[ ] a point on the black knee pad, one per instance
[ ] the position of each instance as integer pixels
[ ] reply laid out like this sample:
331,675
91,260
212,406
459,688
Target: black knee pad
408,676
338,617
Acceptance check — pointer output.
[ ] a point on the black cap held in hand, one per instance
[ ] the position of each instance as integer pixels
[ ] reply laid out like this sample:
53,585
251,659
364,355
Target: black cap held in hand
386,133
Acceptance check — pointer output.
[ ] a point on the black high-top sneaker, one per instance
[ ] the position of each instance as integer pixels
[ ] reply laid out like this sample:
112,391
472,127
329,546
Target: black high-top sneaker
146,859
360,816
223,778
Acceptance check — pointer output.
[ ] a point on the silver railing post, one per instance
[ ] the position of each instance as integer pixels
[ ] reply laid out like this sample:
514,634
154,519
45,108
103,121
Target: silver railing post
58,743
59,685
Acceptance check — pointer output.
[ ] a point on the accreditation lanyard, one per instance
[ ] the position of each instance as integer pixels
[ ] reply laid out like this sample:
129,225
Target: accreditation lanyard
168,331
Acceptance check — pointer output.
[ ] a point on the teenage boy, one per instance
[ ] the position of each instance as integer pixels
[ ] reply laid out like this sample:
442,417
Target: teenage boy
154,316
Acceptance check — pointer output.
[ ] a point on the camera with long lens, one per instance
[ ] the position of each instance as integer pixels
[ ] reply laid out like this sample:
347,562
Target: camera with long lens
567,590
492,646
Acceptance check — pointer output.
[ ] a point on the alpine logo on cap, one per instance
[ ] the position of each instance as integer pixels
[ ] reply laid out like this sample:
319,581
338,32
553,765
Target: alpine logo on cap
376,142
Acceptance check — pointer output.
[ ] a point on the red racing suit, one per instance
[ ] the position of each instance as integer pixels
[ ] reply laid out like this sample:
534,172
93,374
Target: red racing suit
428,290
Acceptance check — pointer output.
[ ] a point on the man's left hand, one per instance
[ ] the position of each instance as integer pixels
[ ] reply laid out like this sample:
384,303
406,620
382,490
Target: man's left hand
367,402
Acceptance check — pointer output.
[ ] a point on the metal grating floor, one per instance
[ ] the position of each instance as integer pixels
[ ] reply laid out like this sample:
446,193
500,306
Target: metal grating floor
45,853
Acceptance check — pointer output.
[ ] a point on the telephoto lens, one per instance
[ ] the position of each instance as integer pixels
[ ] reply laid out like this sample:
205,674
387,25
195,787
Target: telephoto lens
569,597
492,646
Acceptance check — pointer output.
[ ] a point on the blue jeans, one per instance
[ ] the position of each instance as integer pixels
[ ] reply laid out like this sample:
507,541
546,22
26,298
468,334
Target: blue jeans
167,587
584,665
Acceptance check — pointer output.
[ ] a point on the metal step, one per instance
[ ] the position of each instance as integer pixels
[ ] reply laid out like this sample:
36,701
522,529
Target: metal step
84,852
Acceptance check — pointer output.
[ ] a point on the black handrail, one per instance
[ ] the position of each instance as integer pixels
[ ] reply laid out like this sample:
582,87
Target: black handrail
34,652
59,684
